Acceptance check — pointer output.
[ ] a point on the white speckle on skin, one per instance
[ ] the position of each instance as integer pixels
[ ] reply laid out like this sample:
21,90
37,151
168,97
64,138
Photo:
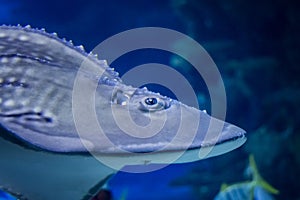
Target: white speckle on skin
23,38
37,109
48,114
11,79
2,35
48,58
124,103
24,102
15,60
4,60
36,55
39,41
29,72
19,91
0,100
9,103
19,70
1,80
6,69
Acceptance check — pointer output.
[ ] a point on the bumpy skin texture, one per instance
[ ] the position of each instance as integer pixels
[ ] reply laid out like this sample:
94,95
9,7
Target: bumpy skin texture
37,73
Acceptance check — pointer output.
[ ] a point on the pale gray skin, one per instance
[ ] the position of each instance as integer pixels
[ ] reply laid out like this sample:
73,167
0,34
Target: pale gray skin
37,74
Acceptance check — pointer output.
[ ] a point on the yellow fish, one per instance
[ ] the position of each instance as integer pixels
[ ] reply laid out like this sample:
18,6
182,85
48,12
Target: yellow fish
256,189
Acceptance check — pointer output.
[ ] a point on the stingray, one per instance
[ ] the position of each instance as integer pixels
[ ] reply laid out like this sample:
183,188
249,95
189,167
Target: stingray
48,153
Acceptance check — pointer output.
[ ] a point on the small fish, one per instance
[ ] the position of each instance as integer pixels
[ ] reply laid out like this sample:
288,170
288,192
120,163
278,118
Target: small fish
42,155
257,189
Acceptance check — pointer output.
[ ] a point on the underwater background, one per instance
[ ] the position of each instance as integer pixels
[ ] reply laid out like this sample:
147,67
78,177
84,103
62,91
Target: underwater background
256,46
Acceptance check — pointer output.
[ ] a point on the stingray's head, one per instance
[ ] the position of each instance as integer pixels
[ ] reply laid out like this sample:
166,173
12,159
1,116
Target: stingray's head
145,122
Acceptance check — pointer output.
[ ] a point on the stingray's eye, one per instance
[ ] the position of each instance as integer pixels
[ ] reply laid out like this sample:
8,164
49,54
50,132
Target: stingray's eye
152,104
151,101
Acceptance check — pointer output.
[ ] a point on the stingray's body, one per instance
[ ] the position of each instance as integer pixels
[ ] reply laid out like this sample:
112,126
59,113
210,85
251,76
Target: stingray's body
43,157
37,175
